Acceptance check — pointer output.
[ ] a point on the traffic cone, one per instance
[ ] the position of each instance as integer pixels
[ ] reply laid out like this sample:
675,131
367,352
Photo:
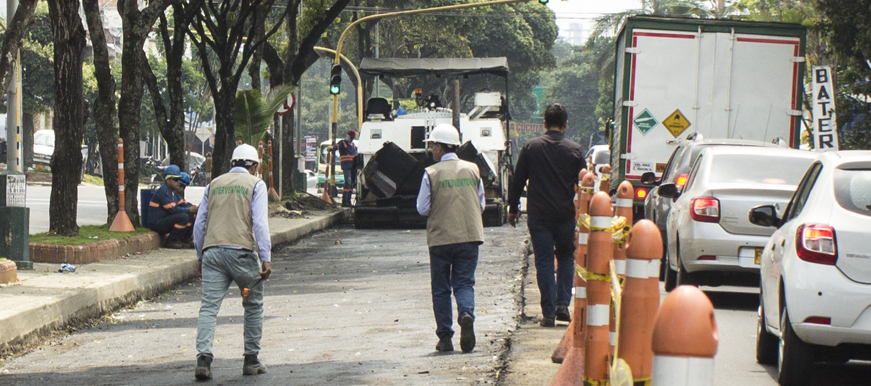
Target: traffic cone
640,298
571,348
684,339
326,196
599,253
582,204
121,223
605,179
624,193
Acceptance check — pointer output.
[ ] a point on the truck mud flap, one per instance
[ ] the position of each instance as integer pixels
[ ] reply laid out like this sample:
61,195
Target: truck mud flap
389,167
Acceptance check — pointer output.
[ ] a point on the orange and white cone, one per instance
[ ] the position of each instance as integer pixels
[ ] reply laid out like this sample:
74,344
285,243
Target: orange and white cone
685,339
570,351
599,253
640,298
624,195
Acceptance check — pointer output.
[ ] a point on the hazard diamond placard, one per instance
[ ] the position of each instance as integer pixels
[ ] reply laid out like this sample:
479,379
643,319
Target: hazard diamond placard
676,123
645,121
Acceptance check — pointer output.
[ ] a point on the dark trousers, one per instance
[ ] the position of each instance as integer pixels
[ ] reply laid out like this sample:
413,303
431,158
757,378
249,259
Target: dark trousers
348,188
549,238
178,225
452,266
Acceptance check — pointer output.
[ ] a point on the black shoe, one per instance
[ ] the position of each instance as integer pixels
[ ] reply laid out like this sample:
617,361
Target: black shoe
252,366
445,345
203,371
562,314
547,322
174,244
467,332
189,243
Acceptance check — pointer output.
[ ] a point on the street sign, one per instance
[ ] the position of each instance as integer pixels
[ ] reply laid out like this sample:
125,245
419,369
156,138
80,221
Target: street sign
288,105
15,190
203,133
645,121
825,133
676,123
311,152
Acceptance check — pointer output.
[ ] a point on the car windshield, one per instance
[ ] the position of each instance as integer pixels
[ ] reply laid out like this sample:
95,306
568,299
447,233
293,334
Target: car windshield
853,190
757,169
602,157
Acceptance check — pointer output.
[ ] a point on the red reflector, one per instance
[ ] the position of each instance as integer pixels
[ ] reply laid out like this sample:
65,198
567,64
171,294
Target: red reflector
640,193
819,320
707,257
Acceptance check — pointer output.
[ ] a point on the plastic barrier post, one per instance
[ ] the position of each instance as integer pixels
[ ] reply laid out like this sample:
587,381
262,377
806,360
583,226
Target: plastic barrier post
122,222
599,253
685,339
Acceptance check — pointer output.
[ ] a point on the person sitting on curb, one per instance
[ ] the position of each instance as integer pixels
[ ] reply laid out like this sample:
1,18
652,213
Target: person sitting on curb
164,214
183,183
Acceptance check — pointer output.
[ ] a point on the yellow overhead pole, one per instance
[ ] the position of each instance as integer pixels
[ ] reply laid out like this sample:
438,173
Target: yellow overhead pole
359,82
335,111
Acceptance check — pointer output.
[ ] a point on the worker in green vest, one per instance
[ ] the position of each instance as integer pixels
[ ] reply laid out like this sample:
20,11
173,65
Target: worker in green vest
452,196
231,235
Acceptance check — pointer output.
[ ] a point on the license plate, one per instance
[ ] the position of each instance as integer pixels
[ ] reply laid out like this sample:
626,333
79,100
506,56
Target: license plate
757,255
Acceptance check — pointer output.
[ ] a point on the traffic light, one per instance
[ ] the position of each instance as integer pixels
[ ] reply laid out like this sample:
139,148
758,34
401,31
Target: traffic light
542,1
336,79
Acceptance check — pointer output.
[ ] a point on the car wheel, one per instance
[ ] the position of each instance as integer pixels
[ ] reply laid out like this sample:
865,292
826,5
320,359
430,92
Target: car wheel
670,277
766,342
795,359
683,277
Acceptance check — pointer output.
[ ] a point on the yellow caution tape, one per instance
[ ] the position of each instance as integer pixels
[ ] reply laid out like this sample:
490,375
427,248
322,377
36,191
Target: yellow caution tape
619,230
587,276
596,382
605,177
588,190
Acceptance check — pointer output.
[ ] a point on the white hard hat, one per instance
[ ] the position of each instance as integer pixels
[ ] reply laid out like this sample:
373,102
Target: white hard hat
444,133
245,152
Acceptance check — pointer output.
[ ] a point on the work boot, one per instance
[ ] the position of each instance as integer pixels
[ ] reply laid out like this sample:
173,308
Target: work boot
252,365
174,244
562,314
445,345
189,243
203,371
467,332
547,322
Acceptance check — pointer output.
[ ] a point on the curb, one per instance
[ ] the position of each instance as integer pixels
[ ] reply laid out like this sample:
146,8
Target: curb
77,307
93,252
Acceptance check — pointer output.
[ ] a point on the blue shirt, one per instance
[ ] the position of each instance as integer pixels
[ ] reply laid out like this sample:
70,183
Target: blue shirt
259,214
424,199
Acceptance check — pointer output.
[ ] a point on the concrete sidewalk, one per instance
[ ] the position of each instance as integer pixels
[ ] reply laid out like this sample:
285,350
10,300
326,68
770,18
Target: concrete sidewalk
46,301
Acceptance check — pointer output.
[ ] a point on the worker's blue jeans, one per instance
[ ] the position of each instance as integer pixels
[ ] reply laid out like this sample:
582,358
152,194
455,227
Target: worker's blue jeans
452,266
549,238
348,188
220,267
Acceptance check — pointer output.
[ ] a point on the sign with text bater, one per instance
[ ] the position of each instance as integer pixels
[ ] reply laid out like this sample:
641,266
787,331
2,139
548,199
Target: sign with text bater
825,135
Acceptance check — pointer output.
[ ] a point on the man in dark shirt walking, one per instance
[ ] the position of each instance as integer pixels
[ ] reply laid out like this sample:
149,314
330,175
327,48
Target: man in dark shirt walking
551,164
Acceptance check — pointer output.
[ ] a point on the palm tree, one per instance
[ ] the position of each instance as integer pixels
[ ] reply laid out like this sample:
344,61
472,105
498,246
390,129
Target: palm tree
254,112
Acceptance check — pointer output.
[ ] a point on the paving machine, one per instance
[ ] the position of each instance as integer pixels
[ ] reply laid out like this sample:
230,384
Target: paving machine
393,153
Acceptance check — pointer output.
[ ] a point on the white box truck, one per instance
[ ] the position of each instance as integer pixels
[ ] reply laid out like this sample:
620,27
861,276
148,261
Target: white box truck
720,78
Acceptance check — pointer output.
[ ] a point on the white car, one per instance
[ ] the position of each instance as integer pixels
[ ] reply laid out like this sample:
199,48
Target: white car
311,179
710,239
816,269
597,157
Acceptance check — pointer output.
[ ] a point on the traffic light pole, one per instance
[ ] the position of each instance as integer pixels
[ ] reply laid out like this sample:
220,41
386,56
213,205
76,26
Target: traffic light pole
335,112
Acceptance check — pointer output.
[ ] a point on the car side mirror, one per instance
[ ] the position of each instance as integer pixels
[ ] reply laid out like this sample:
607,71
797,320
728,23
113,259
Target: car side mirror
764,215
648,178
668,190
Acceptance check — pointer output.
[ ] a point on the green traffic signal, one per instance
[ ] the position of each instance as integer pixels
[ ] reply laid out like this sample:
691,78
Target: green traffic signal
542,1
336,79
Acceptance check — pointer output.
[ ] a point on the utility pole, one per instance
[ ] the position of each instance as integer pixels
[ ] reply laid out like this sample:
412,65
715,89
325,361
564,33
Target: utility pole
15,228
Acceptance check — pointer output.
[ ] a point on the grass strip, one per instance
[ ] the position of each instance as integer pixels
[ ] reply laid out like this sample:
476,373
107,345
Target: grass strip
87,234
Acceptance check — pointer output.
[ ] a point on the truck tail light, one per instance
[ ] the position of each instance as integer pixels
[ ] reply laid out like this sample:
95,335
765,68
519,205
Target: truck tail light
706,209
816,243
680,181
640,193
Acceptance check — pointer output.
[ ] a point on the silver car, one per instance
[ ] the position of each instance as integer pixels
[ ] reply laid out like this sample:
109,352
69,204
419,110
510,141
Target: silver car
677,170
708,231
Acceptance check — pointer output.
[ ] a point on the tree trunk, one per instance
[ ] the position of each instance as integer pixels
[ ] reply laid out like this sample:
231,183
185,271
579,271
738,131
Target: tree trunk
225,133
15,30
27,139
104,109
69,43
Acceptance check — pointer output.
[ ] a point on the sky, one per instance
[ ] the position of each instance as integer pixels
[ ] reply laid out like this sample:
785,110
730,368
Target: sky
585,11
